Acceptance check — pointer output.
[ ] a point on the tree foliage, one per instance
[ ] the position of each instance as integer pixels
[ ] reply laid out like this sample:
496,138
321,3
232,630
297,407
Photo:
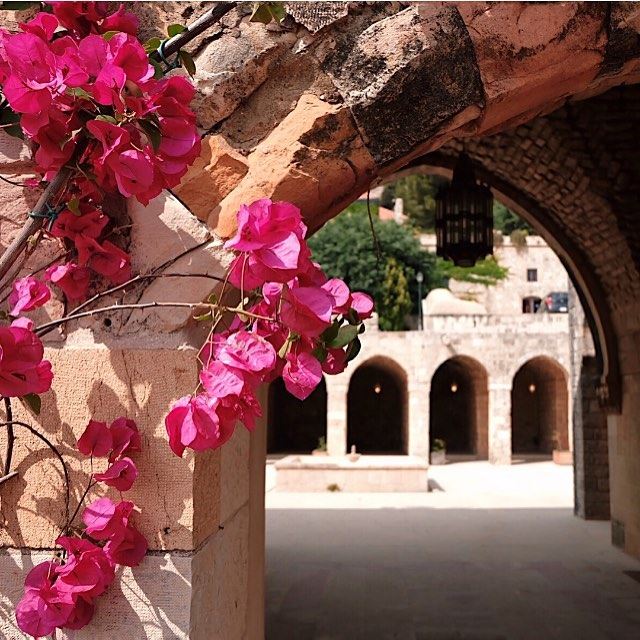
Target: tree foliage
486,272
395,301
345,248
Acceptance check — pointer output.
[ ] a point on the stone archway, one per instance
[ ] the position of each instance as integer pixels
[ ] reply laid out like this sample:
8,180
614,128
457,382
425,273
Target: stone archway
377,408
458,412
539,408
296,426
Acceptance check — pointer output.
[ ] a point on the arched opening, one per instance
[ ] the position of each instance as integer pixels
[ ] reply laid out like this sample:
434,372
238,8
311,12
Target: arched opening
539,408
296,426
459,411
377,408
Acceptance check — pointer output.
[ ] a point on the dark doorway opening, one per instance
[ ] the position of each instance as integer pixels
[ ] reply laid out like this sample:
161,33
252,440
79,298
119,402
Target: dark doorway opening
459,407
539,408
377,408
296,426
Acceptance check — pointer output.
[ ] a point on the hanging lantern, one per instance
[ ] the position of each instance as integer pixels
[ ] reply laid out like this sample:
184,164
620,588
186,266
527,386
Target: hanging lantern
464,217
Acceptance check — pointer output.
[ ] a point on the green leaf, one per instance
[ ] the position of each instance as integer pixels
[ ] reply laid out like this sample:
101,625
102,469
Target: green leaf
212,299
345,335
175,29
152,132
159,73
187,62
261,13
277,11
9,117
320,353
203,317
330,334
79,92
33,402
107,35
353,349
152,45
74,206
106,118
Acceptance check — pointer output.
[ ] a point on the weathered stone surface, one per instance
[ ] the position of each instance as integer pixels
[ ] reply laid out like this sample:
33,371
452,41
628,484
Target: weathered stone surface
161,232
231,68
301,162
213,176
523,54
406,76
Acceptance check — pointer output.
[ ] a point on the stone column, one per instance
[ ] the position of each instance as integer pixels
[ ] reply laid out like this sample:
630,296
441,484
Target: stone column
500,422
337,390
418,420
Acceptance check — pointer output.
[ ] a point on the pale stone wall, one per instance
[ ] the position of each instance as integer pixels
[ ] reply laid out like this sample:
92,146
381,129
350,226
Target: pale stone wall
499,344
505,297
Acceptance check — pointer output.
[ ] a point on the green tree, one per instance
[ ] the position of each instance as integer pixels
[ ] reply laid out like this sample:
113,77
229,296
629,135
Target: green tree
395,301
507,221
486,272
345,249
418,194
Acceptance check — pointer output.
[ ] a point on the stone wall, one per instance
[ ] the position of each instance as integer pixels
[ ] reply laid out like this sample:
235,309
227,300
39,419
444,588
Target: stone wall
498,345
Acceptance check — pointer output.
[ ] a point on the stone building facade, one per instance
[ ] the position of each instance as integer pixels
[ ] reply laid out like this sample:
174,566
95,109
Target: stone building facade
489,344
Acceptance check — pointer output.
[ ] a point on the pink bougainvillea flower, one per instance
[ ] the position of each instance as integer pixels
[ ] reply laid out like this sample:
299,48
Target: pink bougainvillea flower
72,279
100,518
270,238
128,547
112,137
126,437
120,475
133,171
340,293
43,607
246,351
307,310
264,223
22,369
193,422
106,259
96,440
121,20
220,380
363,304
335,362
302,373
23,323
43,26
27,294
89,224
87,569
81,614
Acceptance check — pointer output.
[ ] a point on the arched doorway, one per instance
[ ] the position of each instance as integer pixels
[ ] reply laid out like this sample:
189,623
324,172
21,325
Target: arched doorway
377,408
296,426
539,408
459,412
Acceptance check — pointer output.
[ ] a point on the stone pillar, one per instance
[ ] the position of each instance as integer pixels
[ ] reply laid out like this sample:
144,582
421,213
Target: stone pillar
500,422
337,390
418,420
201,514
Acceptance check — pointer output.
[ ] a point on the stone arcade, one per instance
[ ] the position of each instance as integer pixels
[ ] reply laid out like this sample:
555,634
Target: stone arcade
315,112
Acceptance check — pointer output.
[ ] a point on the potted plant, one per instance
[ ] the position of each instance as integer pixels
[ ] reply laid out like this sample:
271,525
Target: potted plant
321,449
439,452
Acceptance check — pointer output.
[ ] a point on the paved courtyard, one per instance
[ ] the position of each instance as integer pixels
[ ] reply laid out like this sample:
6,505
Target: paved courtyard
491,553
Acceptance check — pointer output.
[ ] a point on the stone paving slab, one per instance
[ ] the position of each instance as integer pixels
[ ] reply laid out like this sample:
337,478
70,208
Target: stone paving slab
496,554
